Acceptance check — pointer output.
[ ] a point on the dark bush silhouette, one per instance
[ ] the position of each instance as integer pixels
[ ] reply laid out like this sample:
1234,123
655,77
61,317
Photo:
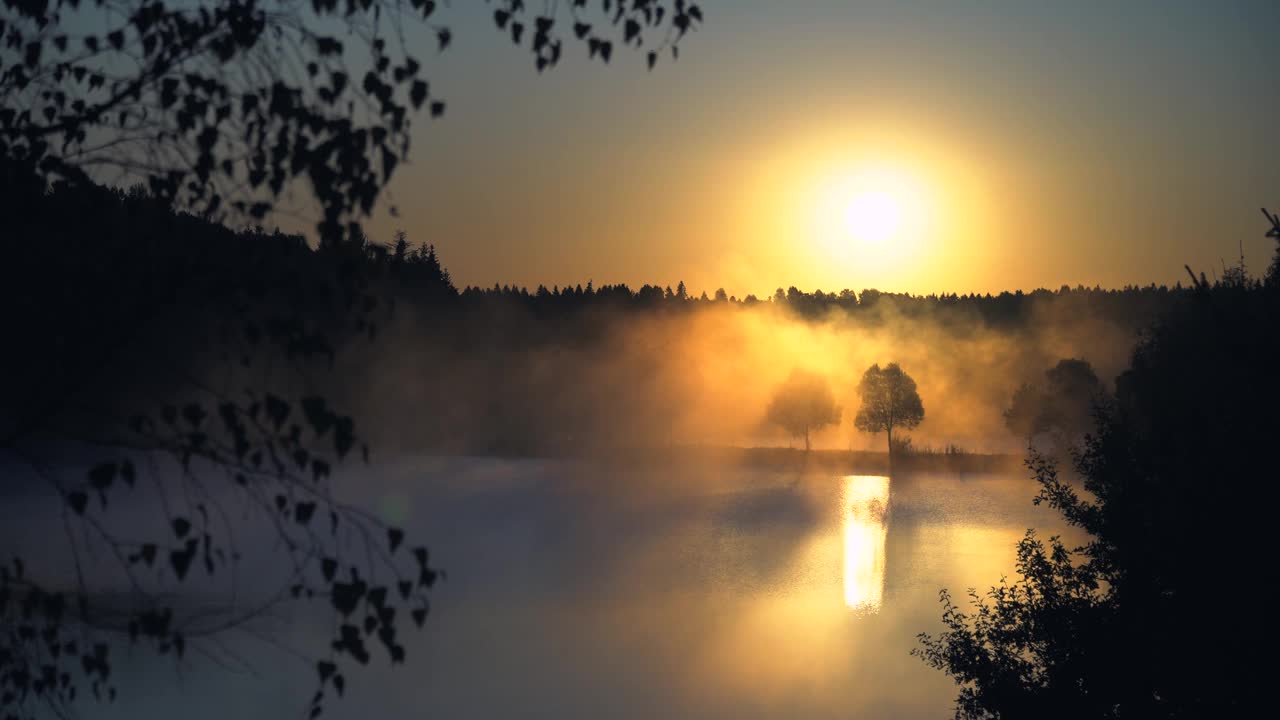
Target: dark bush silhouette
1143,620
1063,405
802,404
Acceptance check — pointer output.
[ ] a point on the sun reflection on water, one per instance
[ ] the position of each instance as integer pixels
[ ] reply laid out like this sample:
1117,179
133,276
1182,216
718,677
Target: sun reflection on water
865,503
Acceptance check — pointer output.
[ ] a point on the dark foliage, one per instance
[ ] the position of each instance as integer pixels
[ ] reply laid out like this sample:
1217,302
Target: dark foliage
1162,612
1132,307
221,105
140,373
1062,405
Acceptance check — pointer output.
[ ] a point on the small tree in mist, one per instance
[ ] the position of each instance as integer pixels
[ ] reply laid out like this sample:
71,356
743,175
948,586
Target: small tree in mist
1063,405
802,404
889,400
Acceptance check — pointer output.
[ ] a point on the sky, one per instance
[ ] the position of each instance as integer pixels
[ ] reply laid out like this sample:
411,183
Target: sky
1016,144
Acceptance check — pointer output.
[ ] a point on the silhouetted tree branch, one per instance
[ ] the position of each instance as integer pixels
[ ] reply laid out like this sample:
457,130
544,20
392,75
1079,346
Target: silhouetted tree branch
221,105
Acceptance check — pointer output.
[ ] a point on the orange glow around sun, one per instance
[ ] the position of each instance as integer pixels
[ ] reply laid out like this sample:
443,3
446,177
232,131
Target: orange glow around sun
885,205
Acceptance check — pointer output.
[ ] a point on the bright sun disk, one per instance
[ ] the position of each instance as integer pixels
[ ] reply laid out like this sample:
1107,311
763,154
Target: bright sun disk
873,216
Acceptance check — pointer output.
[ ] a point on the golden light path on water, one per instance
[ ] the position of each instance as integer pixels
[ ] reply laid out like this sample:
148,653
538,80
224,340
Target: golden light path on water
865,503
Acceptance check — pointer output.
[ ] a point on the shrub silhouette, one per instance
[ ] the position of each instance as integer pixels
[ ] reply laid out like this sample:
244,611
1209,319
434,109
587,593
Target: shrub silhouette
1143,621
1063,405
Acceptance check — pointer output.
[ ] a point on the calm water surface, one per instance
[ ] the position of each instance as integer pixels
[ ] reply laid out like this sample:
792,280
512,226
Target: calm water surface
579,591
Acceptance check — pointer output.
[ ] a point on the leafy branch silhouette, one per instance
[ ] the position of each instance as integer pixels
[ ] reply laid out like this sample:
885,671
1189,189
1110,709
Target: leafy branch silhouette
221,106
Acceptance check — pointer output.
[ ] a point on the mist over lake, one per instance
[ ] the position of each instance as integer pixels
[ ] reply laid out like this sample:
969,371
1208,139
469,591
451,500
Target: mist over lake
579,588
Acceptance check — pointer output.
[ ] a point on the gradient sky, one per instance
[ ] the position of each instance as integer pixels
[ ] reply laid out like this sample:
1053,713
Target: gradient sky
1045,143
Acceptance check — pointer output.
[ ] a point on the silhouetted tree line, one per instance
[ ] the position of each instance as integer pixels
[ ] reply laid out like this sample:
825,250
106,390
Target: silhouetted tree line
114,223
114,261
1131,306
1165,610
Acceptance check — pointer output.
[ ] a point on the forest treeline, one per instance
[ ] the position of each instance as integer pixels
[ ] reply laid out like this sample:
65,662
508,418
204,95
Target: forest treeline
129,299
1132,305
106,228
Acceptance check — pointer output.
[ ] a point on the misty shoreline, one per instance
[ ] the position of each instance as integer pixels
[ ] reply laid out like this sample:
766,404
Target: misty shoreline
779,459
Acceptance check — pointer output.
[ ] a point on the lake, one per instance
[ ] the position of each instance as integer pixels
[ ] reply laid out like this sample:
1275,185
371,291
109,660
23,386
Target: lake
577,590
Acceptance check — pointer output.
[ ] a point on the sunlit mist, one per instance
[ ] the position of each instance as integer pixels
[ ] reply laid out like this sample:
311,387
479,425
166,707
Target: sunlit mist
865,502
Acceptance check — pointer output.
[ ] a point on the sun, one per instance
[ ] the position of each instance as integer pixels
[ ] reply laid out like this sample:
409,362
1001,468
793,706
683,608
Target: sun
873,216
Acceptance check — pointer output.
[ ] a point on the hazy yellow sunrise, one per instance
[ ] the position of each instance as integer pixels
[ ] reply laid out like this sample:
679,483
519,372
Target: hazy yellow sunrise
633,359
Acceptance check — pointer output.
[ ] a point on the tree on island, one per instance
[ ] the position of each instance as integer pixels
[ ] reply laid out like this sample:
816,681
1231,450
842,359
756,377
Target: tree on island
889,400
1063,405
802,404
